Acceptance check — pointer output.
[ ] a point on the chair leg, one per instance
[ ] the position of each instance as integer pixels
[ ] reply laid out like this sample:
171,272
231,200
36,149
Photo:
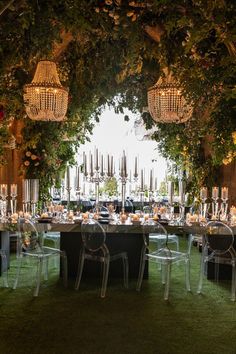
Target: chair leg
126,271
202,266
17,273
159,245
167,282
106,266
4,269
190,242
177,244
217,267
141,269
187,274
38,275
64,268
233,285
56,242
80,271
46,268
163,273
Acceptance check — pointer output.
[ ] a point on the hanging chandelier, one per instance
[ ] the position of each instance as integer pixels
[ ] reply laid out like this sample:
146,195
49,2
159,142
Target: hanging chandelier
166,103
45,98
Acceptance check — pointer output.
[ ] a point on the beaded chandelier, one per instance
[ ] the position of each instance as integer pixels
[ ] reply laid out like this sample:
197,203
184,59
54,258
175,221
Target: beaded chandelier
166,104
45,98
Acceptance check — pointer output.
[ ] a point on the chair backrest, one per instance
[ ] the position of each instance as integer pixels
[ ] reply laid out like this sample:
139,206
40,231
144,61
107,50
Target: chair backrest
147,209
93,235
28,236
219,238
154,230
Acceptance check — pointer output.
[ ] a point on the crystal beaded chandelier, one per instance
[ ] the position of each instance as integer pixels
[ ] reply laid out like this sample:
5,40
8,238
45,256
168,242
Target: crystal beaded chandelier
166,104
45,98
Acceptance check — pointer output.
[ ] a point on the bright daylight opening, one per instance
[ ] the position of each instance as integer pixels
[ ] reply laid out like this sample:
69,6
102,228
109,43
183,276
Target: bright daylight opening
114,136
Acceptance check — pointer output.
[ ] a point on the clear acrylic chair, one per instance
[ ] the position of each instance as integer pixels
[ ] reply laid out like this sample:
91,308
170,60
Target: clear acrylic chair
30,246
4,267
94,248
52,237
161,240
164,257
148,209
218,247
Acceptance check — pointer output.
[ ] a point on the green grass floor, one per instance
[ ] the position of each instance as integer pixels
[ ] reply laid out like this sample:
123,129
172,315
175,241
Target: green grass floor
63,321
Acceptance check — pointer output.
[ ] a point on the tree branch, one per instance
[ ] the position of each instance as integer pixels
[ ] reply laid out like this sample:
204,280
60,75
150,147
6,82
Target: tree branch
155,32
6,7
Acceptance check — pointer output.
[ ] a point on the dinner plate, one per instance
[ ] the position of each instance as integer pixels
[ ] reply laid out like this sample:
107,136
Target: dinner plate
136,222
78,221
104,221
44,220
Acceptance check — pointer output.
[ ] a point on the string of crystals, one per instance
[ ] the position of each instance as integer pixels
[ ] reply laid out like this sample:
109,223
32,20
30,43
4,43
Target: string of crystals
166,103
45,98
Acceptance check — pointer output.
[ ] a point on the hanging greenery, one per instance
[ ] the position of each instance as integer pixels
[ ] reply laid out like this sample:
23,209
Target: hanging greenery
110,52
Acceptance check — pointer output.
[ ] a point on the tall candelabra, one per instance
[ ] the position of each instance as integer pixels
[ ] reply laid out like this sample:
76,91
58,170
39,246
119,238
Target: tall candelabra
203,198
68,187
123,178
94,171
142,187
224,204
3,195
34,195
77,185
215,205
151,187
170,193
30,195
26,195
13,195
182,186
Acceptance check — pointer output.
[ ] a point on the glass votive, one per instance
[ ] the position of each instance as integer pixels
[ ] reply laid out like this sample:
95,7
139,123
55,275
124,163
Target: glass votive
13,190
215,192
3,190
203,193
224,193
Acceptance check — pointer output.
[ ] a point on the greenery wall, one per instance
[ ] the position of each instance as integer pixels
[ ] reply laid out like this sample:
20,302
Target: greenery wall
110,52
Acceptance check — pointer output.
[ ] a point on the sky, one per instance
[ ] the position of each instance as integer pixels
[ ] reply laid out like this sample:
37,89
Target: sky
113,135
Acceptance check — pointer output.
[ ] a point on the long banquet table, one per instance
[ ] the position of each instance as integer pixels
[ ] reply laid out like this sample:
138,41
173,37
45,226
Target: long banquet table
119,238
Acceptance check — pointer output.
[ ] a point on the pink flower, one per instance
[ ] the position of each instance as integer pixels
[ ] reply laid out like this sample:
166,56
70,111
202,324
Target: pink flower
26,163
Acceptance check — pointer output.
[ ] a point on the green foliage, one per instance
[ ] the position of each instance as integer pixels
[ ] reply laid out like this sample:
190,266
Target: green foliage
162,190
110,186
112,60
